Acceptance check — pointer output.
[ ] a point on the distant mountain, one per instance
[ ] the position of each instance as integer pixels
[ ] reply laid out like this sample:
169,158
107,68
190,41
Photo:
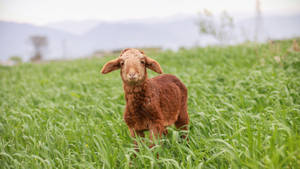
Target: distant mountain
74,27
272,27
170,32
15,40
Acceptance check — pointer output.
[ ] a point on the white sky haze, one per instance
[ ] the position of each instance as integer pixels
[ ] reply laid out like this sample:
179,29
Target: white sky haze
47,11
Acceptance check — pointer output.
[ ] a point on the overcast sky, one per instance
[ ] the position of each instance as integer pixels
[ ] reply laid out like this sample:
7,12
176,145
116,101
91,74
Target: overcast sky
47,11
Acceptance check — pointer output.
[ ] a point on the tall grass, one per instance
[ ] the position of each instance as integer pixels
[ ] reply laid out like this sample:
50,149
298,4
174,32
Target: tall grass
244,109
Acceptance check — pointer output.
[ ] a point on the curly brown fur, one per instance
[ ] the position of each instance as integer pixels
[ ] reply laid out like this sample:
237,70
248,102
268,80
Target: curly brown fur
151,104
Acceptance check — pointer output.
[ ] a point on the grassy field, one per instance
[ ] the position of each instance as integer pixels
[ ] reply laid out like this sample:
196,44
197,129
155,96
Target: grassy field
244,107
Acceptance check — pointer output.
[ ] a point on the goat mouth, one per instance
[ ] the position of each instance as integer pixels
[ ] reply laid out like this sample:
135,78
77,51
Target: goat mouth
133,81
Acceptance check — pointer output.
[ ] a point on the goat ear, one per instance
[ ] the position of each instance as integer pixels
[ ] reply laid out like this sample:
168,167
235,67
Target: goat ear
153,65
111,66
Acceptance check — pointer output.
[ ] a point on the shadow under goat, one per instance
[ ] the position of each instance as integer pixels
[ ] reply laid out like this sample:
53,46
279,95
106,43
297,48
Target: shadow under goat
151,103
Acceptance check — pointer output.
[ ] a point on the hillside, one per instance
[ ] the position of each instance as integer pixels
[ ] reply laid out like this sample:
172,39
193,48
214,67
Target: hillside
168,33
244,107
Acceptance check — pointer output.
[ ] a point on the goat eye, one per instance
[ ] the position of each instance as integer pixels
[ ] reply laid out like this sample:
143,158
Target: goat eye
142,62
122,63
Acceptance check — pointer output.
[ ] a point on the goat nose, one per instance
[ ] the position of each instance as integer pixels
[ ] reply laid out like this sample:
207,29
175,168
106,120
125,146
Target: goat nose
131,75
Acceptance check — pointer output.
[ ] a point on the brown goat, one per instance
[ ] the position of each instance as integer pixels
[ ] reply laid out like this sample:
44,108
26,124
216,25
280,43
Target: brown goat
151,104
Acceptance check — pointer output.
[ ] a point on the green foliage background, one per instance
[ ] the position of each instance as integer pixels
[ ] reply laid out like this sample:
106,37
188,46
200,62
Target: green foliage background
244,109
